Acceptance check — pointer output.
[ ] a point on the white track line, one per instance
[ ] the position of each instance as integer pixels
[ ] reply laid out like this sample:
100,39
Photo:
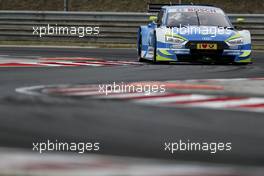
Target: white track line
175,98
59,63
130,95
228,103
15,162
83,93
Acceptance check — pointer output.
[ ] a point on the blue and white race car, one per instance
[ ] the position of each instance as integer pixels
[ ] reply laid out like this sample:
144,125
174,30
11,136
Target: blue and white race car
193,33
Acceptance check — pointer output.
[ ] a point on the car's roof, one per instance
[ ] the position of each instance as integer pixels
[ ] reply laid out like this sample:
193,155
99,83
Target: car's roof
185,6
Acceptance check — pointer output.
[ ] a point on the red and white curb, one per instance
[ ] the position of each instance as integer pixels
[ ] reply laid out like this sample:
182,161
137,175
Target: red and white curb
64,62
27,163
210,96
205,101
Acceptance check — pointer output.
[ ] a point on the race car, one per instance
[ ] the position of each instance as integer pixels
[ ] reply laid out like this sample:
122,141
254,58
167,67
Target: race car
193,33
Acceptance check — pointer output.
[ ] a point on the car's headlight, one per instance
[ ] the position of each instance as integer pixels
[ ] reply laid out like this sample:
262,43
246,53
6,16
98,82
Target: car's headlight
236,41
174,40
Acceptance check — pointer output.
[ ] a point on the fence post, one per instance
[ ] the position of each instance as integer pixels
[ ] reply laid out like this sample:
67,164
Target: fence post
66,5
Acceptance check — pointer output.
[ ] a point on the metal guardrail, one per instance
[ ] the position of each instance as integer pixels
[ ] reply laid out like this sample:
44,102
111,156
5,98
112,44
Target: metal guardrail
114,27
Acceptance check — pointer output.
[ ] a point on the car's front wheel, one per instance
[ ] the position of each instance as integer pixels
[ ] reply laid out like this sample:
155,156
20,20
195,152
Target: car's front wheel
242,63
140,59
155,48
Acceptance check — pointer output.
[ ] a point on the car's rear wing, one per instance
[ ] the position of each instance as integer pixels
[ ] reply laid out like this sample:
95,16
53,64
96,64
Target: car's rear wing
155,8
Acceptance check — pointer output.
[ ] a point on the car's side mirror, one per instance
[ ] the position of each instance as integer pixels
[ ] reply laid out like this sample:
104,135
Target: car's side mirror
153,19
238,22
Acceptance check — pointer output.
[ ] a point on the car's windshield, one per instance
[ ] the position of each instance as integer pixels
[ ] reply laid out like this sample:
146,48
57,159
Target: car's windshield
176,19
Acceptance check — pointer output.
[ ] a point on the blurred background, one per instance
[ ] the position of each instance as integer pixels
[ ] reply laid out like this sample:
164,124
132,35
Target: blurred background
230,6
131,135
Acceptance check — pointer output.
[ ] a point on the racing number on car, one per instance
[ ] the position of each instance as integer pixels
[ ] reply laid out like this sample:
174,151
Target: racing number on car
211,46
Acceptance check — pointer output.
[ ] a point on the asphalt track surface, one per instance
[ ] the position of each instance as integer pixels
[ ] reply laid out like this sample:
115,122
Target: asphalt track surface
124,128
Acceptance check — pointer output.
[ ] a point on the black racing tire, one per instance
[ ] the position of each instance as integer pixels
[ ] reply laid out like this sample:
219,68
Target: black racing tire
242,63
140,59
155,48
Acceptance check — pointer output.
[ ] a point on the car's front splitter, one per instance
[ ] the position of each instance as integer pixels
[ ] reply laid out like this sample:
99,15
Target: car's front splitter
239,56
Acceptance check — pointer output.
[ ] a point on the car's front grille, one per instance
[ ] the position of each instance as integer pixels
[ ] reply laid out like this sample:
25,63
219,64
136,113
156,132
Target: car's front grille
192,45
197,55
215,59
220,45
197,52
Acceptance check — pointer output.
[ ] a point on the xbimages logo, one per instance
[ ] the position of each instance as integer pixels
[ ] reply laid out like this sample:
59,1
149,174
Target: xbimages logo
212,31
80,31
146,88
51,146
189,146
